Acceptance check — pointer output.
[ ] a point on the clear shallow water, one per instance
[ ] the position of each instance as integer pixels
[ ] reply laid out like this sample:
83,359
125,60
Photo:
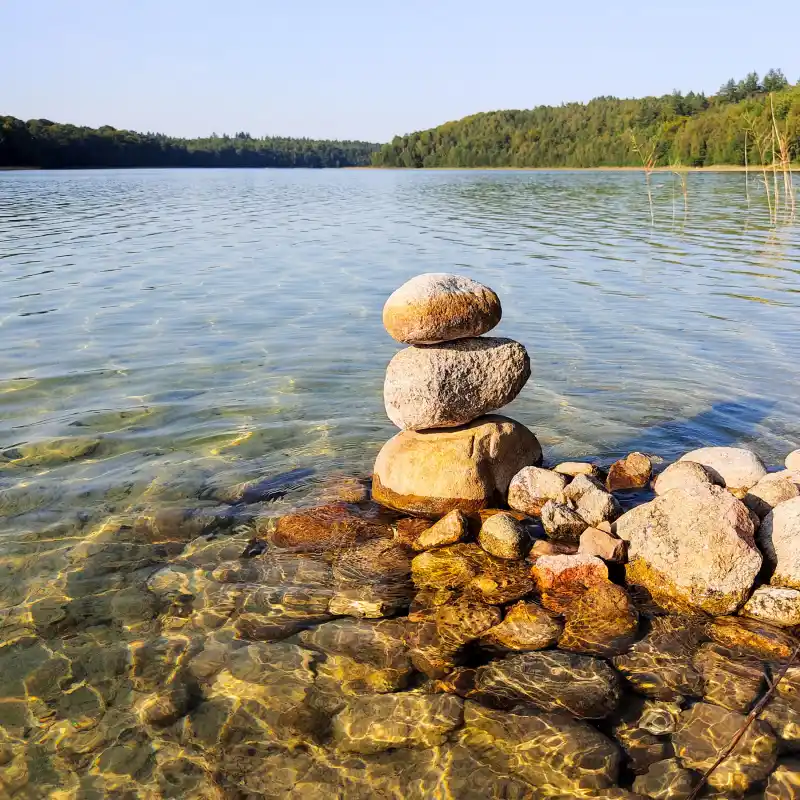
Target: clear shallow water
170,334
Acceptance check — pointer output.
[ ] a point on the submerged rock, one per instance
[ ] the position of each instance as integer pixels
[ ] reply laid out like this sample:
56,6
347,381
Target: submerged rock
779,539
735,468
526,626
660,717
692,550
551,751
752,637
707,729
374,724
631,472
660,665
468,468
682,475
666,780
503,536
330,527
451,528
586,687
601,622
730,680
562,579
774,605
447,385
439,307
532,487
784,782
784,719
449,567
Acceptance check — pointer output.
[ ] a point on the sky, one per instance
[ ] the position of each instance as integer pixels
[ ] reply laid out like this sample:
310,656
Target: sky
365,70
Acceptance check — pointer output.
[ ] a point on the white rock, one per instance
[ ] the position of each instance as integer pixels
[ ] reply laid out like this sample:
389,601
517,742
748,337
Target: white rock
532,487
775,605
769,492
779,539
793,461
446,385
682,475
735,467
439,307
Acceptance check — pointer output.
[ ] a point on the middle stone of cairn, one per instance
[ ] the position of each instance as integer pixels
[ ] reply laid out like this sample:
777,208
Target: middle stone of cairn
452,453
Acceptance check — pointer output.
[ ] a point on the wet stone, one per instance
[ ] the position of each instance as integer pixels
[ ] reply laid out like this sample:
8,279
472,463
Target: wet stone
784,782
730,680
551,751
641,745
753,637
500,582
382,722
552,681
666,780
450,529
660,665
706,729
601,622
447,567
526,626
784,719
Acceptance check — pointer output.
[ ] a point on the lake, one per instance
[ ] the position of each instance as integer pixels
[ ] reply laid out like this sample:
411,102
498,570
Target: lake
169,335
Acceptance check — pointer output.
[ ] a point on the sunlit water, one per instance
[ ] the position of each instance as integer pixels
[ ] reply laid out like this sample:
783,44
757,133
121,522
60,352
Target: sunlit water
168,335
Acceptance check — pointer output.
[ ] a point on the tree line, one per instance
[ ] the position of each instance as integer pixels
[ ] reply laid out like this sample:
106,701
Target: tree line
52,145
677,129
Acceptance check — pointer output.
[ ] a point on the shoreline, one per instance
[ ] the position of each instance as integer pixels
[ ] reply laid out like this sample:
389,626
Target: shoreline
716,168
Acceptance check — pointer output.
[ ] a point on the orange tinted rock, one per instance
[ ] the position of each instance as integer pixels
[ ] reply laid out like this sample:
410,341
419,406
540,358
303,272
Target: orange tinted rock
631,472
526,626
562,579
331,526
543,547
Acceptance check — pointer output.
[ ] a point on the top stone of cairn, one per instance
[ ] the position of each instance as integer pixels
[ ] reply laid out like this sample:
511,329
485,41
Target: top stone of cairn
439,307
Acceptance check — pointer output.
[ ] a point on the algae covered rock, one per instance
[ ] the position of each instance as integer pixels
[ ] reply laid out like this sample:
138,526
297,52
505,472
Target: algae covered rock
532,487
707,729
753,637
784,782
468,468
552,681
503,536
439,307
692,550
736,468
447,385
382,722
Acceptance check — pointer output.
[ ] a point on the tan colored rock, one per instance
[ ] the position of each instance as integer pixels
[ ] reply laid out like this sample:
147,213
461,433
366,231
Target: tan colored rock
542,547
330,526
467,468
503,536
439,307
692,549
769,492
666,780
749,636
731,679
450,567
601,622
631,472
595,542
793,461
587,497
447,385
784,782
734,467
779,539
562,523
451,528
574,468
707,729
774,605
682,475
532,487
792,475
526,626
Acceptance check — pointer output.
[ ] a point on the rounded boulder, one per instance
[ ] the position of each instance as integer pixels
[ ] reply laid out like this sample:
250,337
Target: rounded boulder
447,385
440,307
735,468
430,473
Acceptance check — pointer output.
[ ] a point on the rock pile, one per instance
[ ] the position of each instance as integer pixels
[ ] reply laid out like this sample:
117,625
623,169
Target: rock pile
440,391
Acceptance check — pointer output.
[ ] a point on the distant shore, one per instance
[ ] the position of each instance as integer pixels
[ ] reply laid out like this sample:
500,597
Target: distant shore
715,168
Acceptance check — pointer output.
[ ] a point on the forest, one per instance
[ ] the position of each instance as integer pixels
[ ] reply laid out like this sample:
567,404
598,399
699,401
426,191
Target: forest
51,145
690,130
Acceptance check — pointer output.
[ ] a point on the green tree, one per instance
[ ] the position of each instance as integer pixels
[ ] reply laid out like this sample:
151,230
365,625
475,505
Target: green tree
775,81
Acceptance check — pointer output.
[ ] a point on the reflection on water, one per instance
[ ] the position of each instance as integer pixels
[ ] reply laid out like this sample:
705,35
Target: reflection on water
189,355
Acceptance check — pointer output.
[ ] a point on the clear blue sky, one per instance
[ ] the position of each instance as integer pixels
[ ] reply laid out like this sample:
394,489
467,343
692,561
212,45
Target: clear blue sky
367,70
